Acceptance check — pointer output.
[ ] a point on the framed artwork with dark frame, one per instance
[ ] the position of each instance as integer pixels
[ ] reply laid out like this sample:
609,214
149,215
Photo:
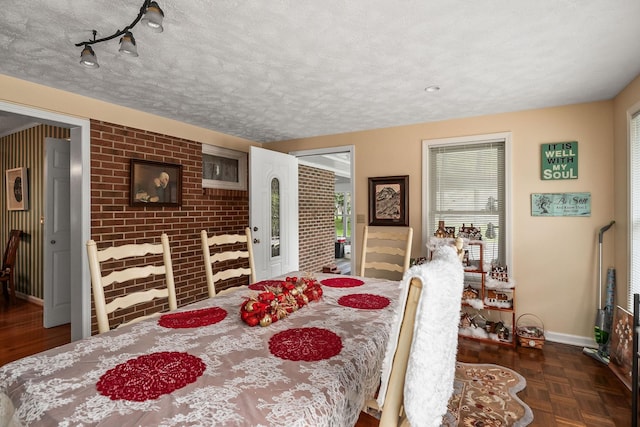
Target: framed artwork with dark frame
17,189
155,183
389,201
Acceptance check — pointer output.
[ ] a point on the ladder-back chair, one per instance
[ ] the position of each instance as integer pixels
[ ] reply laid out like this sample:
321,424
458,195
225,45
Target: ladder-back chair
386,252
235,248
8,265
130,253
391,409
416,384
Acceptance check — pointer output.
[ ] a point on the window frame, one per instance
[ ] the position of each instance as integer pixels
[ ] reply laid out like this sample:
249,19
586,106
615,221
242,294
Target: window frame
239,156
345,217
471,140
631,250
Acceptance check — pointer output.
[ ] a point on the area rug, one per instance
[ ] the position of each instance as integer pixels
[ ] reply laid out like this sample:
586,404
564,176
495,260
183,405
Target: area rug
484,395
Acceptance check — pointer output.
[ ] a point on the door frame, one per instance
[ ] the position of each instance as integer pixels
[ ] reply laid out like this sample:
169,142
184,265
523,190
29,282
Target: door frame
80,209
352,152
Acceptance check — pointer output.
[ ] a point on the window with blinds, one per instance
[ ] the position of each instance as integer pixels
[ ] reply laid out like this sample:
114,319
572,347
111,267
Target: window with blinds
467,186
634,197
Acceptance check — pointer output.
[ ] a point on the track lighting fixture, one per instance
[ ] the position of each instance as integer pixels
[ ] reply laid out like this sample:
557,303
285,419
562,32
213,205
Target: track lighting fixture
150,14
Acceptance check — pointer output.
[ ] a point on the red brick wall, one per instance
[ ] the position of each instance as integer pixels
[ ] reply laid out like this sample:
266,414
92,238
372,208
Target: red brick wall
114,222
316,227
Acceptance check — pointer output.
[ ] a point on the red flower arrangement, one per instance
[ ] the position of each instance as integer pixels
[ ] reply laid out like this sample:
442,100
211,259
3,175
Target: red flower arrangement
279,300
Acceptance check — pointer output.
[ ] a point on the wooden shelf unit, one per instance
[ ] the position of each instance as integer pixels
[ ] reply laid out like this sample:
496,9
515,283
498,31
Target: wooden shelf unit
476,278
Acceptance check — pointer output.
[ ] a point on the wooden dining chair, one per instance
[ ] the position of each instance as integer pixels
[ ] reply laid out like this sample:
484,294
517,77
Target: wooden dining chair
391,408
417,377
137,265
8,265
386,252
232,256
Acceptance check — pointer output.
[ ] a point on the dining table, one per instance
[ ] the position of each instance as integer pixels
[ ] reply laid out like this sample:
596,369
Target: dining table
205,364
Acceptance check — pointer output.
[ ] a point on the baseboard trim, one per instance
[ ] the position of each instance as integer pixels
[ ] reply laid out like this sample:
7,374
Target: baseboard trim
570,339
30,298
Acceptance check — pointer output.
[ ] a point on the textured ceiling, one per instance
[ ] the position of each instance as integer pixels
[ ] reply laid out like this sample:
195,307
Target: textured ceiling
275,70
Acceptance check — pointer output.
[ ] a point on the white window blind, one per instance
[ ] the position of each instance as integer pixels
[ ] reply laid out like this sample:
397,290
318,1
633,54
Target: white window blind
634,223
467,186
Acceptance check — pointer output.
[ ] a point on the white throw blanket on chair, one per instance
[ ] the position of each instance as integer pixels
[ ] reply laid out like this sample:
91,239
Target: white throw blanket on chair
431,367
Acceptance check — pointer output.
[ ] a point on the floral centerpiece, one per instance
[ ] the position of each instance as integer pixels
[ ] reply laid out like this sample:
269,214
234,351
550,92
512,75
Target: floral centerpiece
279,300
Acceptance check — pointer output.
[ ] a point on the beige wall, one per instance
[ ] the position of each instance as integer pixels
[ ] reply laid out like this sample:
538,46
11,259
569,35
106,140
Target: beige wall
554,258
627,102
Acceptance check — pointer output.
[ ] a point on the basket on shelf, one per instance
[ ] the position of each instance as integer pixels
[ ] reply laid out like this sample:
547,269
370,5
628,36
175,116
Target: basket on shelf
530,331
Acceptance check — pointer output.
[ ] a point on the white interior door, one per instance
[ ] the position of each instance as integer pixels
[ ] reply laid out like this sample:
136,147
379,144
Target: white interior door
57,232
273,211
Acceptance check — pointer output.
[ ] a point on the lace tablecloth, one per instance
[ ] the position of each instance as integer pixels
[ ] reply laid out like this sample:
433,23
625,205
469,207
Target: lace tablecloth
219,372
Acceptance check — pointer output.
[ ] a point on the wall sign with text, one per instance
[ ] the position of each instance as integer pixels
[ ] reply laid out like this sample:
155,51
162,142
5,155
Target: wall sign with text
559,160
561,204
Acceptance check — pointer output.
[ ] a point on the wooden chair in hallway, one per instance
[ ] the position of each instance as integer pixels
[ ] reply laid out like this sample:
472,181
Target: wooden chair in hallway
8,265
236,248
386,252
132,255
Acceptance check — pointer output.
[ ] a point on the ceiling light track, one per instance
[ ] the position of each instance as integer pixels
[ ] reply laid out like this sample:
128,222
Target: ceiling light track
150,14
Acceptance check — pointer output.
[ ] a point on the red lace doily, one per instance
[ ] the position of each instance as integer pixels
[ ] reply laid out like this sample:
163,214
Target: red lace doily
308,344
193,318
150,376
364,301
342,282
259,286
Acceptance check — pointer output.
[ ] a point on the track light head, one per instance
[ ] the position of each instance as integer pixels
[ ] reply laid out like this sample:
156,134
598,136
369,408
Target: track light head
128,45
153,17
88,57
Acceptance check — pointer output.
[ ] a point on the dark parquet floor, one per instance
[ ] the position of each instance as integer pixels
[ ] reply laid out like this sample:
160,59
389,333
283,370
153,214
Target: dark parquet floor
564,386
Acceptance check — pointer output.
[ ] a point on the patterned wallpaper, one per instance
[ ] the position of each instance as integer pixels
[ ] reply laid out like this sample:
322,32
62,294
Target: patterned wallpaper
26,149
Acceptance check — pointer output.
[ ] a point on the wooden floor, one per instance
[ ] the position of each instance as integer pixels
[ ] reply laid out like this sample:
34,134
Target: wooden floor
21,331
344,265
564,386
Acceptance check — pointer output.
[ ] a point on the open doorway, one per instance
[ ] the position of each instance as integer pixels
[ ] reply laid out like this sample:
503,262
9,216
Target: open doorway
339,161
78,209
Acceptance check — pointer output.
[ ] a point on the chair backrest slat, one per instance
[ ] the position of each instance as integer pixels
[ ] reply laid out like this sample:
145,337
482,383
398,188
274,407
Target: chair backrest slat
129,251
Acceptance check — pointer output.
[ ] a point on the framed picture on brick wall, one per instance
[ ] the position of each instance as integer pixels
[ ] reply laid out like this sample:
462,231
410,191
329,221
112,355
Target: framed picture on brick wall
155,183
